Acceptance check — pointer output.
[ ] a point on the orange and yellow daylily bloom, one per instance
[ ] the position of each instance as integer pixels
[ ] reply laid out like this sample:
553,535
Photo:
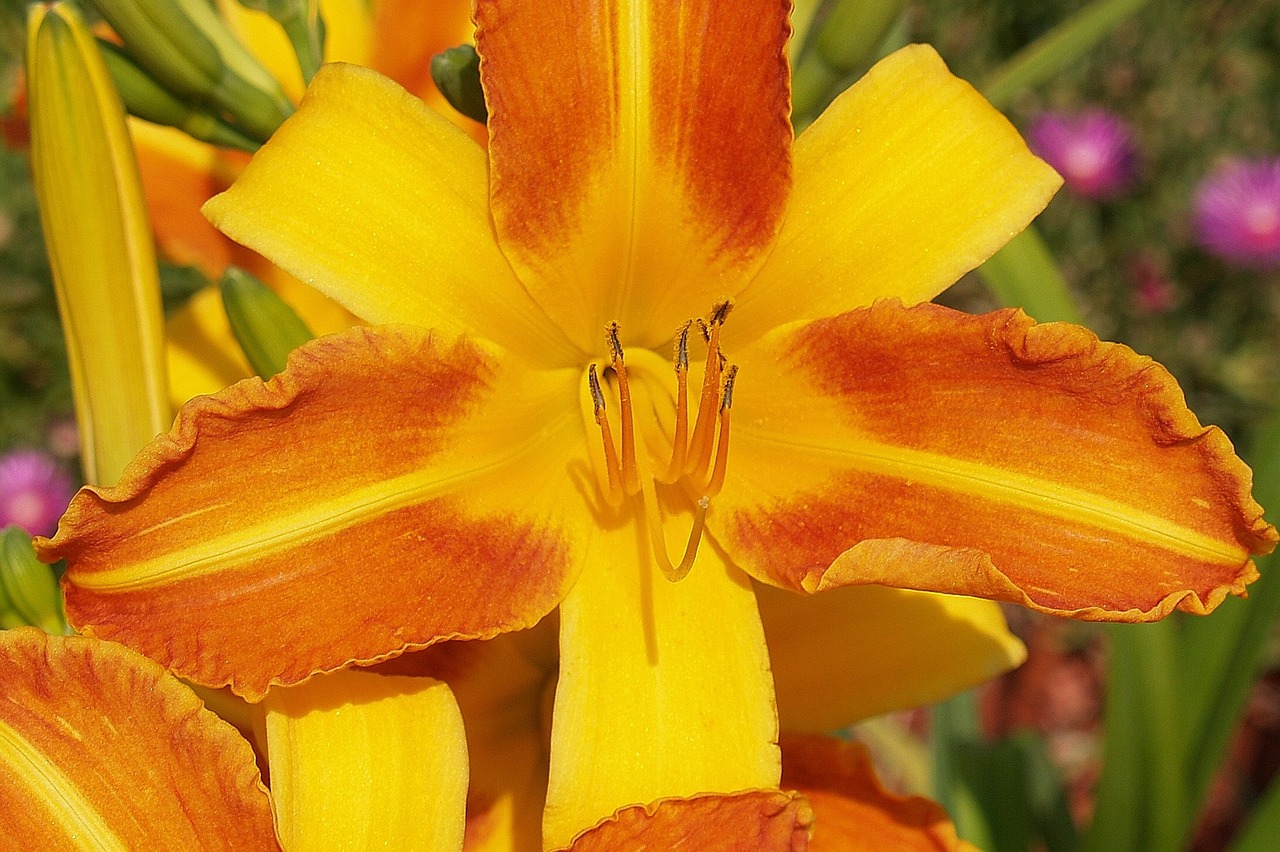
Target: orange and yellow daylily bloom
648,354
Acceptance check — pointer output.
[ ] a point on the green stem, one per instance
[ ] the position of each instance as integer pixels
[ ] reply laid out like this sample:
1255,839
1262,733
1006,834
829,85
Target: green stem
1056,50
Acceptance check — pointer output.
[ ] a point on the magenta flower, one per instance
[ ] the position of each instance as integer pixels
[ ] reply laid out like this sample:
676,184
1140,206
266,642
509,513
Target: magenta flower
1094,151
1237,213
34,491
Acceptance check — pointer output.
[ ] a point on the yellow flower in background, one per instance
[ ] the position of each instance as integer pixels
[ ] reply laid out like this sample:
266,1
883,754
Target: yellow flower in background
657,354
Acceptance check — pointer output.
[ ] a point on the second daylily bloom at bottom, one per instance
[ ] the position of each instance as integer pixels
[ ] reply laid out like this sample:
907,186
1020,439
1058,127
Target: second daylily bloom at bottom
539,448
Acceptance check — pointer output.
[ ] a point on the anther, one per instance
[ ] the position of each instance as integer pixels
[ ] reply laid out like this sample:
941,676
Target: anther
602,420
630,469
700,446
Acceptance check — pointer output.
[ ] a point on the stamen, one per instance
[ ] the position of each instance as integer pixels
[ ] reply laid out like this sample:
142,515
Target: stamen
699,456
630,471
610,454
658,538
680,440
722,440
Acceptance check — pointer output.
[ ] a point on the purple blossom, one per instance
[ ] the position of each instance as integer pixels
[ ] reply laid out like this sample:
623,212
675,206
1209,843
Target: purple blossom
1237,213
1094,151
34,491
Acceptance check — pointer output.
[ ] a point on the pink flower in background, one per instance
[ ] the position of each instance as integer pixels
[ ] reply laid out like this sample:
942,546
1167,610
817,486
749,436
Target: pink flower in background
34,491
1093,151
1154,292
1237,213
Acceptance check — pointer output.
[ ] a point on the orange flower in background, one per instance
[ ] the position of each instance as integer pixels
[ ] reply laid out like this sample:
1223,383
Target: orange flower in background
661,371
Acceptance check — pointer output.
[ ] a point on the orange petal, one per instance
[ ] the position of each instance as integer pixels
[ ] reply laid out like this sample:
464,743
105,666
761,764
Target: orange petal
102,749
639,153
407,34
760,820
853,811
927,647
389,490
986,456
178,175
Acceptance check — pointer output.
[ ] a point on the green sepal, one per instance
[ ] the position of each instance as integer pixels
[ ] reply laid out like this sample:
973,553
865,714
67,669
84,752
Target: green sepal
456,72
29,588
266,328
186,46
147,99
303,24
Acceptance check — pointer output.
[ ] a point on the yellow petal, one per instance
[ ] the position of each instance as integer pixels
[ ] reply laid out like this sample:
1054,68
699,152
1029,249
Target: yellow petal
380,203
982,455
847,654
664,687
348,38
389,490
99,242
907,181
203,355
367,761
503,686
100,748
640,153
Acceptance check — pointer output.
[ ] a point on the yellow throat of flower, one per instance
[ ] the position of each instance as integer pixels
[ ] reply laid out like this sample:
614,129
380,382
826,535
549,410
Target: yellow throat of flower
696,462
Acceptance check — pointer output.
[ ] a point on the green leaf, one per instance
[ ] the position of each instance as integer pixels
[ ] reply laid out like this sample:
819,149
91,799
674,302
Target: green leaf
1224,653
1023,274
1260,832
1057,50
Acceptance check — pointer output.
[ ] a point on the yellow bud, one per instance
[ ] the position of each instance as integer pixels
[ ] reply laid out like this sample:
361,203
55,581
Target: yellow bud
99,243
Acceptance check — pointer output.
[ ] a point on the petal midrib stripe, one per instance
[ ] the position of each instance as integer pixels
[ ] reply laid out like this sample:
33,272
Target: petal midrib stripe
77,817
1026,492
228,551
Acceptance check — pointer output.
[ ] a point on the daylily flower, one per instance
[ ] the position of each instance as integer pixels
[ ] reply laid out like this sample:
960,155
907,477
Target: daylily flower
645,228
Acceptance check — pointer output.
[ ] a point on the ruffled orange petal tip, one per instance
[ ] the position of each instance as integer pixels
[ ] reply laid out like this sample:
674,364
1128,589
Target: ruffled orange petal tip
162,771
986,456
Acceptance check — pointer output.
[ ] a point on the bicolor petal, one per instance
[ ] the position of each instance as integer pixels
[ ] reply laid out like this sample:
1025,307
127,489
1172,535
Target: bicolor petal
446,509
639,153
103,749
679,671
762,820
367,760
987,456
848,654
853,811
907,181
372,198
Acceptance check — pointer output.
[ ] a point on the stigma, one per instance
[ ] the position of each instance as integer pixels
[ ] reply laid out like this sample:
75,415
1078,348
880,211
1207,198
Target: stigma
698,457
